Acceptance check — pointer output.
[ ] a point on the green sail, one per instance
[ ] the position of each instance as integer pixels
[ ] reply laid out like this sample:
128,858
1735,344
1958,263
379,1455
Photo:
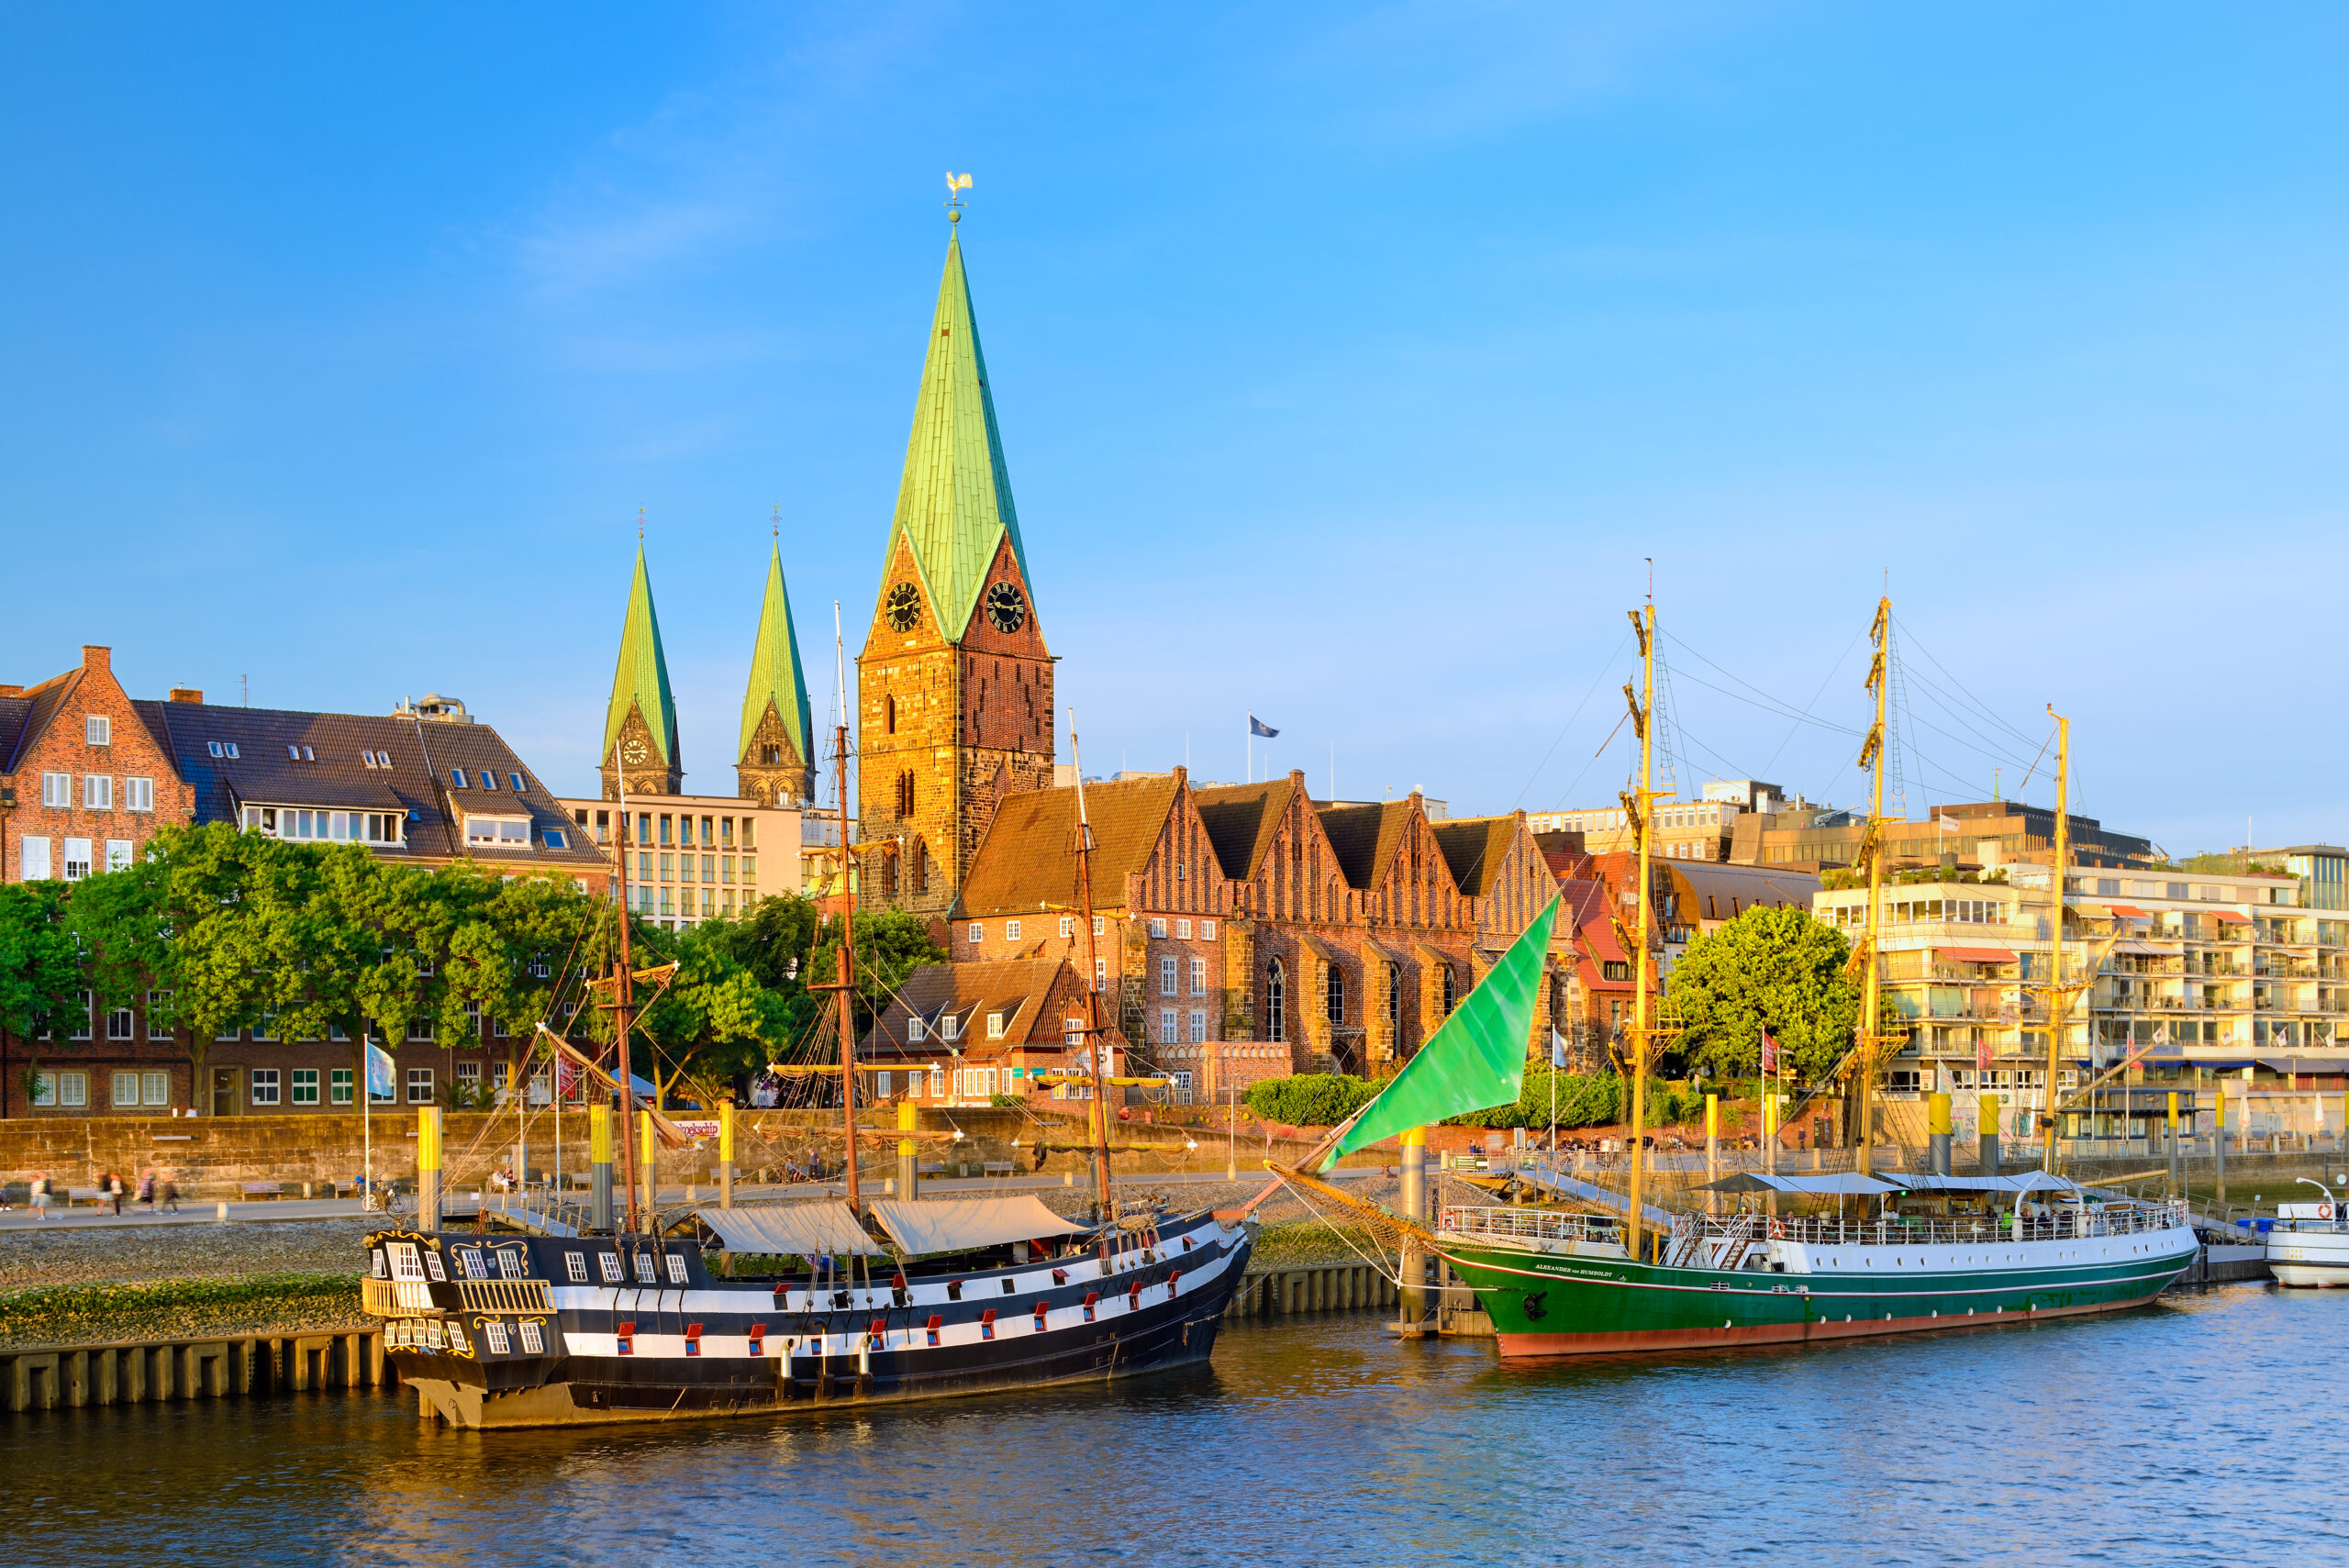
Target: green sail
1476,1060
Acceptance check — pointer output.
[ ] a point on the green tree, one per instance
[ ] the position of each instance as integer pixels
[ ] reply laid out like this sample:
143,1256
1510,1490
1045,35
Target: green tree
40,967
890,945
1769,968
1774,969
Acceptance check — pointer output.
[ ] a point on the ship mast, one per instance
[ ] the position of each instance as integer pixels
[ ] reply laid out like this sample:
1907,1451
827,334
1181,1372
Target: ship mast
2057,993
844,975
1636,807
623,1009
1093,1030
1871,991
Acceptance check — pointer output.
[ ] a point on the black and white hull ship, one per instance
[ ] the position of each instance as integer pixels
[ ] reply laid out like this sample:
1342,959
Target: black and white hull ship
968,1298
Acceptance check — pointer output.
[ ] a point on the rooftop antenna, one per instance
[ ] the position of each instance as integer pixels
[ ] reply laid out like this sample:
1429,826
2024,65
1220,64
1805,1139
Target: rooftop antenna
956,185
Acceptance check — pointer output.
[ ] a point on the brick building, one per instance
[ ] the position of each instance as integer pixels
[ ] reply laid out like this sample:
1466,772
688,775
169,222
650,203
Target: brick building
955,683
422,785
956,1034
86,774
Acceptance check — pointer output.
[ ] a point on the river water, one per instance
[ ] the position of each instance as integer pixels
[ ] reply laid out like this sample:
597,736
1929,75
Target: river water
2207,1429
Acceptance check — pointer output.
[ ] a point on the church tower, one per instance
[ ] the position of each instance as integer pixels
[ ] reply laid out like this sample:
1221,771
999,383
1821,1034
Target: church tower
640,721
954,685
777,762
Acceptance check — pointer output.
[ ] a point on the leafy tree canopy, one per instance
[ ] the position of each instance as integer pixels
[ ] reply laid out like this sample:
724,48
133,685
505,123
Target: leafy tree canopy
1774,969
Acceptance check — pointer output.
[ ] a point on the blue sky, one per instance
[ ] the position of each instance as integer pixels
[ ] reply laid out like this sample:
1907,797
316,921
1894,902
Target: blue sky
1352,362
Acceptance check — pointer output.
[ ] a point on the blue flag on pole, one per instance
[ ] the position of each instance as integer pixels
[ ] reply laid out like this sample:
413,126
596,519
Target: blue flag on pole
1557,1050
1258,727
379,1072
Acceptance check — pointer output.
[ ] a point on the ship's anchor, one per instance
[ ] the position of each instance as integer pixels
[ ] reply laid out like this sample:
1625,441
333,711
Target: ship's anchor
1533,1308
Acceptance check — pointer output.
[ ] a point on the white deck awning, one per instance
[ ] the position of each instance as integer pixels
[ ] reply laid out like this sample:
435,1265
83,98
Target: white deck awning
799,1230
960,1224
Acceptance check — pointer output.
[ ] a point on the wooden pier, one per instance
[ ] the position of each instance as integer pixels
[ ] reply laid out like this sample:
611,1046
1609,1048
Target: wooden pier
52,1377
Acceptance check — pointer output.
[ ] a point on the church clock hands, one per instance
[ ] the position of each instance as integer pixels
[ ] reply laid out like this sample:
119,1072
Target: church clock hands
1006,607
903,606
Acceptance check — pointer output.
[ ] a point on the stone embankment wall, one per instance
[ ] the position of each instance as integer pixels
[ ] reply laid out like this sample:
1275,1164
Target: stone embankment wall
214,1157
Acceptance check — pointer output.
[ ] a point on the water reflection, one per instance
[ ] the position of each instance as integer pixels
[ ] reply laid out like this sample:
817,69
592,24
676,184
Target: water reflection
2195,1431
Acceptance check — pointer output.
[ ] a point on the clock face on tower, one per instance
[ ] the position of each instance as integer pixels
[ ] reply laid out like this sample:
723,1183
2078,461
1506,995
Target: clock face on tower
635,750
903,606
1006,607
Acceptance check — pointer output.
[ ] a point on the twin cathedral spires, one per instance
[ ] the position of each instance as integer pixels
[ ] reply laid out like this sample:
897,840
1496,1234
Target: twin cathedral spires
773,761
955,683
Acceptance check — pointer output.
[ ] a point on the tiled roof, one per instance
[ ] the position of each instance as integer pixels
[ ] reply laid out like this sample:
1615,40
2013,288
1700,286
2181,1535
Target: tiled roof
1473,846
1019,988
421,750
775,674
954,500
1027,860
1241,821
1585,904
641,675
1366,839
1725,891
35,710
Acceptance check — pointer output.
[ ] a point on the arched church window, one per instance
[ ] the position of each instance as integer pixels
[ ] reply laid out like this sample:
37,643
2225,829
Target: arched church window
1334,995
1277,1003
1450,991
889,715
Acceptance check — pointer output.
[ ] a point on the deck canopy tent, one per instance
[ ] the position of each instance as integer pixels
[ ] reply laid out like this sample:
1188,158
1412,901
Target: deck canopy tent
1833,1183
796,1229
965,1224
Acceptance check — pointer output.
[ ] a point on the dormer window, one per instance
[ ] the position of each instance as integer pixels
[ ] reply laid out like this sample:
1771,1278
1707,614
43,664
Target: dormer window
915,1031
497,832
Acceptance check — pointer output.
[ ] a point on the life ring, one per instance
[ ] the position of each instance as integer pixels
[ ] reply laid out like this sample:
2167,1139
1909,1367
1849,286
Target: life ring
1777,1231
2324,1211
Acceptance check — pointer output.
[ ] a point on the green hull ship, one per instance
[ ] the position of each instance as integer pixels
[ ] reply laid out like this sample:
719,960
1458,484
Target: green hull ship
1558,1284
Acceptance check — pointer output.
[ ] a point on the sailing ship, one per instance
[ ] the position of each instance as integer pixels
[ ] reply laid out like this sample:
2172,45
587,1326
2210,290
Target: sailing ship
1928,1250
877,1302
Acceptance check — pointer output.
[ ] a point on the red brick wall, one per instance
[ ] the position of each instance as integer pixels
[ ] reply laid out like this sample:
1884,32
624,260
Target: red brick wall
63,748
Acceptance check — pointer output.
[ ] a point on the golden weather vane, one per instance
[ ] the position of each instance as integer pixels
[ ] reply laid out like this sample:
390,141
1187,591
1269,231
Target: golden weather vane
956,185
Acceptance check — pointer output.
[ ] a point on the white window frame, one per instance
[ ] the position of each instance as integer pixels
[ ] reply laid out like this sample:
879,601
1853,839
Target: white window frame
1198,977
419,1077
72,861
159,1002
1068,926
342,1085
1169,1025
1101,925
121,1024
1198,1026
303,1078
260,1085
1158,925
118,853
937,1083
1206,930
97,729
57,791
950,1027
155,1088
995,1026
73,1088
1167,979
915,1030
1011,931
1183,930
125,1087
32,858
978,932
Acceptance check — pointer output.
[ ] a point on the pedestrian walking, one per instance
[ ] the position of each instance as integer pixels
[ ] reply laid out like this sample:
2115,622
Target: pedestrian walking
115,1189
41,1195
147,1189
170,1194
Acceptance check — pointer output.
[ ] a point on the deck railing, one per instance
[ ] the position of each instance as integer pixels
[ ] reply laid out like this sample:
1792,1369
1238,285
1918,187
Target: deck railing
1912,1230
1531,1225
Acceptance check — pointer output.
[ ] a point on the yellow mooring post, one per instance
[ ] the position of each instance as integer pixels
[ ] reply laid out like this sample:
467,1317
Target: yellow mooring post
725,1153
2175,1188
1713,1152
1985,1128
599,1151
1770,1144
2222,1142
428,1168
908,1163
1413,1270
652,1177
1937,1133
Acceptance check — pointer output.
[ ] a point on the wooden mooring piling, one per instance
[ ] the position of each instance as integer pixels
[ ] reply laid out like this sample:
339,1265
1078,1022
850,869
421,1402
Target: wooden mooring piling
52,1377
1278,1292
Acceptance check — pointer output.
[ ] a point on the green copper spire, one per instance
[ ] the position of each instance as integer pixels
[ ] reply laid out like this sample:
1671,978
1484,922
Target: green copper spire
775,669
643,677
954,503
